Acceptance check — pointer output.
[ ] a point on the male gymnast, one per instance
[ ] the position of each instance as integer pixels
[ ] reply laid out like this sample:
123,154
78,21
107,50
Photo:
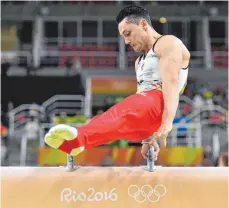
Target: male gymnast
148,115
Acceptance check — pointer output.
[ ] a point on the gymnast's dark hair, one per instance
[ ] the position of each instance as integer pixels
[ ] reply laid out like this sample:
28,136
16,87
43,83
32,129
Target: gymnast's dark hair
134,14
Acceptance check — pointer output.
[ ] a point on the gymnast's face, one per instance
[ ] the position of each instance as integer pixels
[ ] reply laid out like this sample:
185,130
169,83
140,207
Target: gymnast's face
134,34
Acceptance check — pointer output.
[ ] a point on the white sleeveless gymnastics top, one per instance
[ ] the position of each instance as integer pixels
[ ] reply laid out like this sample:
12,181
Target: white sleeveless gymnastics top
148,76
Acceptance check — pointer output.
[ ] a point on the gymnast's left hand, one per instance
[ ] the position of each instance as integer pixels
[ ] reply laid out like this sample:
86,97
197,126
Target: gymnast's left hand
162,133
145,148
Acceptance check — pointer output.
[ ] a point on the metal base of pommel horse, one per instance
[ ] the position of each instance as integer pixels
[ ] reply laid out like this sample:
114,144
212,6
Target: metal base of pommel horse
150,167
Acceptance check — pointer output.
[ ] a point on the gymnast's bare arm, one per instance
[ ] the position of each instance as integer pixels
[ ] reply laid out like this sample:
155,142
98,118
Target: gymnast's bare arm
173,57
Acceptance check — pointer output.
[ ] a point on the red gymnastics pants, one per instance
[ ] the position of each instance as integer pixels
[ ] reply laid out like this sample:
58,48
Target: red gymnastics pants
134,119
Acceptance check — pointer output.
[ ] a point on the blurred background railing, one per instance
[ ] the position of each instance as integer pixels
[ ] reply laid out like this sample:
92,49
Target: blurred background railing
205,34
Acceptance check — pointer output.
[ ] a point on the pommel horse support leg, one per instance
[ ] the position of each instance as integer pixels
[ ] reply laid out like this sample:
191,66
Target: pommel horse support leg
70,167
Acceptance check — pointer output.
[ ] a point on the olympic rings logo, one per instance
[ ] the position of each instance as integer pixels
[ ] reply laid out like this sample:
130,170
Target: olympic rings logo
146,192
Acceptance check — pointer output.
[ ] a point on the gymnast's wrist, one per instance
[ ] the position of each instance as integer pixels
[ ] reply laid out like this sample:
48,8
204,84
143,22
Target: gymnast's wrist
146,141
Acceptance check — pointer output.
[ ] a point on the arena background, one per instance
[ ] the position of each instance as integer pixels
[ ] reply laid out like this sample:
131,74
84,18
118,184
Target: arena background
64,62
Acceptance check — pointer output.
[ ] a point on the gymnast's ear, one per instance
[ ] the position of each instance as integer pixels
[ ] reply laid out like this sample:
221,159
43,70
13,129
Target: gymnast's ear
143,24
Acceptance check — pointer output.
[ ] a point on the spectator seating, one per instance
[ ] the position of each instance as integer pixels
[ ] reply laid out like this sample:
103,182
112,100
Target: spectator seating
220,57
89,61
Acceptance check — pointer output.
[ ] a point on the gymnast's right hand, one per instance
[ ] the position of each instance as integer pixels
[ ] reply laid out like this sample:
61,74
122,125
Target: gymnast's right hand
145,148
